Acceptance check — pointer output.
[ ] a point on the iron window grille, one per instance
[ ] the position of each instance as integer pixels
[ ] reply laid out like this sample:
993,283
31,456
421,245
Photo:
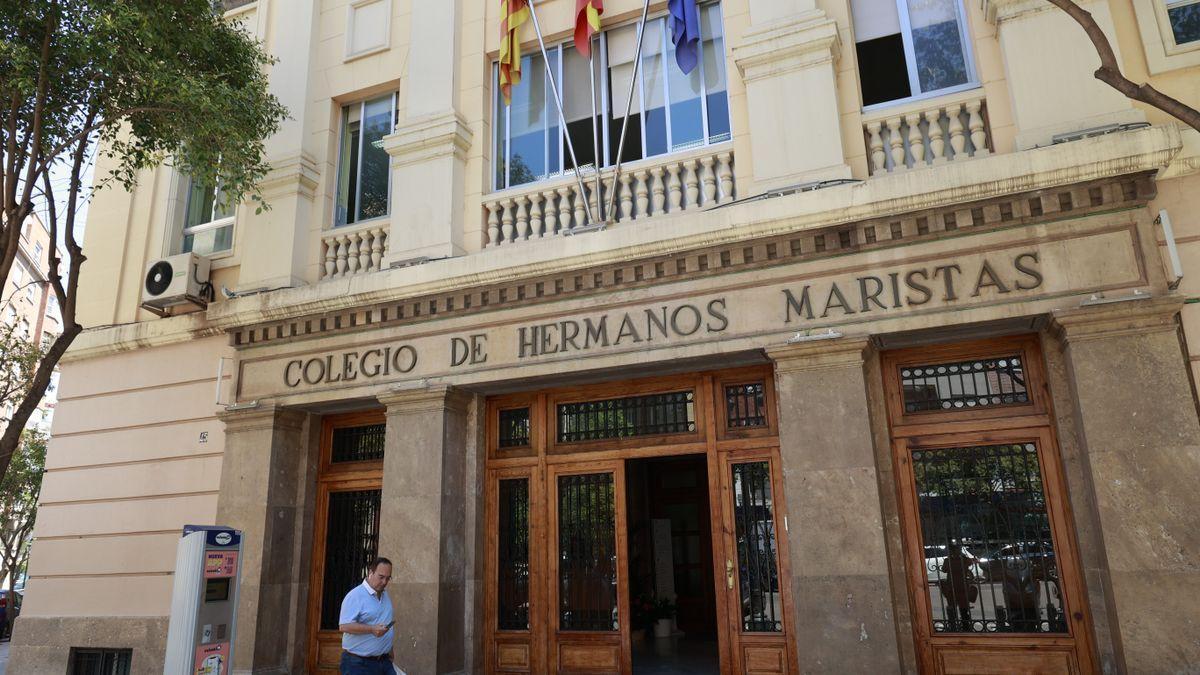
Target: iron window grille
514,428
630,416
587,553
990,560
757,552
357,444
100,661
964,385
512,607
351,543
745,406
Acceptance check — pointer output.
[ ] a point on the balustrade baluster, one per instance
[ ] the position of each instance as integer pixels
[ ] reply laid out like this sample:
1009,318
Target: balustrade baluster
674,188
376,247
352,253
957,140
642,191
896,141
691,181
522,218
330,257
564,209
976,127
725,177
708,179
493,224
875,143
626,195
364,251
580,210
343,244
657,191
535,215
937,142
506,222
551,214
916,142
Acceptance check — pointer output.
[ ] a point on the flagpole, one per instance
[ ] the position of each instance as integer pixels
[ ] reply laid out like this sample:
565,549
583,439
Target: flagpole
637,65
562,118
595,134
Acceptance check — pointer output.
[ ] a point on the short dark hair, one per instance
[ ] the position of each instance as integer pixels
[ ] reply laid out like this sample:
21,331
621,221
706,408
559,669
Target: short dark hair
377,562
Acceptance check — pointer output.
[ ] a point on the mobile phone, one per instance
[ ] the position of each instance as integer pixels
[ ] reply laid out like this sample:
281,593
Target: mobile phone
391,623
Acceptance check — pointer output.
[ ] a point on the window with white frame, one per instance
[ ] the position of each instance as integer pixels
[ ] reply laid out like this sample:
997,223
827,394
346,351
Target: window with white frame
18,274
670,111
364,170
208,220
911,48
1184,17
37,250
10,315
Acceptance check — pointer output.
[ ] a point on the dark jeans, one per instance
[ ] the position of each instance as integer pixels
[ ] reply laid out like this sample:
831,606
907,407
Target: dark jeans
357,665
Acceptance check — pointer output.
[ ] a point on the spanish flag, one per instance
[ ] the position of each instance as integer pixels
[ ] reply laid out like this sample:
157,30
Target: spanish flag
513,13
587,23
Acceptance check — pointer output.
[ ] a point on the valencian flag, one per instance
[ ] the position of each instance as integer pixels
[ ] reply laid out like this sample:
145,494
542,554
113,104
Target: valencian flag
513,13
587,23
685,32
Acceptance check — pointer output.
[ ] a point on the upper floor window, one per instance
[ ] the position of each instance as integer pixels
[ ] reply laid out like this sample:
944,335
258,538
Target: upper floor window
1184,17
37,250
208,220
911,48
364,171
18,274
671,111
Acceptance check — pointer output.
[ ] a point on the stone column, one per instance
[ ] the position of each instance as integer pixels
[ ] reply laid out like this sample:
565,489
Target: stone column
1067,97
265,476
423,527
839,568
786,58
1140,438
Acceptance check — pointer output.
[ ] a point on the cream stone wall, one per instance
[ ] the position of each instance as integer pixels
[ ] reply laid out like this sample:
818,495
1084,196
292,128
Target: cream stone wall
136,453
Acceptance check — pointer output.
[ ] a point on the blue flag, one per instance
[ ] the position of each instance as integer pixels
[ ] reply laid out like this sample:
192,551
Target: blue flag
685,32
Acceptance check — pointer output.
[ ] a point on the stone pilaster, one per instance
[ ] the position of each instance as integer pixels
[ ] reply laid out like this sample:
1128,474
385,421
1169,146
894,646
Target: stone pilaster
266,478
423,526
1067,97
842,596
1140,439
797,137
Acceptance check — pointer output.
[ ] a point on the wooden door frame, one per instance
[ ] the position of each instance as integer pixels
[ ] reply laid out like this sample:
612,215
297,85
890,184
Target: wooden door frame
534,636
739,638
1031,422
542,457
333,478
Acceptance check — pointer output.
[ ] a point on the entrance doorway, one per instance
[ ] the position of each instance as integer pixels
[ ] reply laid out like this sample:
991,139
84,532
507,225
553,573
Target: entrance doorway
603,501
672,592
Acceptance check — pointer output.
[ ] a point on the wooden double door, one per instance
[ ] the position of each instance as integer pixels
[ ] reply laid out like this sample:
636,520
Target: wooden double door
560,592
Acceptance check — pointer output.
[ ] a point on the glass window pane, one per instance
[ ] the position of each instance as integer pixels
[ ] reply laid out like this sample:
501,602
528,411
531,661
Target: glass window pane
687,117
199,204
622,49
529,116
989,557
713,49
512,606
374,169
653,92
348,166
500,161
208,242
937,44
577,102
757,554
1185,23
587,553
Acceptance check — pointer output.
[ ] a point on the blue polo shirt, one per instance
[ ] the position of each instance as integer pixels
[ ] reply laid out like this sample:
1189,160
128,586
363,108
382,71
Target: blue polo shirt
363,605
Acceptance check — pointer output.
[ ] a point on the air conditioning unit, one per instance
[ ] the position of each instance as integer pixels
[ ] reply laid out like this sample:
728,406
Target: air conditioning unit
176,280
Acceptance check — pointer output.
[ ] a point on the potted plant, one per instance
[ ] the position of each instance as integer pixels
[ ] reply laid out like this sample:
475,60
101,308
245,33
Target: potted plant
661,614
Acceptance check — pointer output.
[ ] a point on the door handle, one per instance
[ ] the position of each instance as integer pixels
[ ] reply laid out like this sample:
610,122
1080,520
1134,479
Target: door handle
729,574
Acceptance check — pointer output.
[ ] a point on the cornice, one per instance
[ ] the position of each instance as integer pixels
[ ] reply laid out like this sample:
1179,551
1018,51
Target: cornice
830,354
291,174
421,139
815,223
425,398
260,418
780,47
1000,11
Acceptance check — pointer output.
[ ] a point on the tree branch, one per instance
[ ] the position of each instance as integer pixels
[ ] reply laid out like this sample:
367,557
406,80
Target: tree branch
1109,71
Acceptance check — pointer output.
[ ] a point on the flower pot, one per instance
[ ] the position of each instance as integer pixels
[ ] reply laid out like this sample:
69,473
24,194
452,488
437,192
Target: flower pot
662,628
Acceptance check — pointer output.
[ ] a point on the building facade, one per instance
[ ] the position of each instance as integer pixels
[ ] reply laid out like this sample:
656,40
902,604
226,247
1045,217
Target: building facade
882,364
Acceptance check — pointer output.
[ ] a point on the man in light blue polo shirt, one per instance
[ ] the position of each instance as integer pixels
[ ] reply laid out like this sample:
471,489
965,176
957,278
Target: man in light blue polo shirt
366,624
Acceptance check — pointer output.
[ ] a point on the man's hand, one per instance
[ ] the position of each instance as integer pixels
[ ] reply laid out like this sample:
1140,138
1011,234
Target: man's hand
379,630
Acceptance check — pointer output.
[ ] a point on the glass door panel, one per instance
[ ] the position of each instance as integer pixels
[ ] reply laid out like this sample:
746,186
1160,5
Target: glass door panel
591,613
513,641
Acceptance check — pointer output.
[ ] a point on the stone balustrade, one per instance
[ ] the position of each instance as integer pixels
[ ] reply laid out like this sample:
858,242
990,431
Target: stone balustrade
659,185
928,132
351,250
